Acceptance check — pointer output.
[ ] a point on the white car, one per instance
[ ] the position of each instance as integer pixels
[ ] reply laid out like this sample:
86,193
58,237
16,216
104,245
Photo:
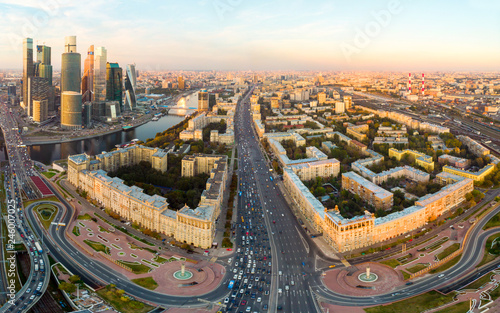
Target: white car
259,299
235,270
226,300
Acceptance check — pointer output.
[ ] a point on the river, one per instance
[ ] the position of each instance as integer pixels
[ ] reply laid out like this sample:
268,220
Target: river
51,152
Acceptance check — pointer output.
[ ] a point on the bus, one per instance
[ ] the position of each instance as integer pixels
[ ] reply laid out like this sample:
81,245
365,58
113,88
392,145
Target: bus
38,247
231,284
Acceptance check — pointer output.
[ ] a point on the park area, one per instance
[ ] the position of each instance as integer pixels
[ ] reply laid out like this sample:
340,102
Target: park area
149,266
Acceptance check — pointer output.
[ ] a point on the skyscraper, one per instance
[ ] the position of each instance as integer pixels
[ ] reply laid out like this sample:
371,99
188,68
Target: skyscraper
130,85
71,98
100,60
44,62
40,110
43,69
203,100
71,67
88,76
114,83
38,90
71,110
28,69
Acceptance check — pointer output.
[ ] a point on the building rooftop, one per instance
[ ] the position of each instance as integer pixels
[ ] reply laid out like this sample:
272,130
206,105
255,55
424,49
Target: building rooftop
79,158
378,191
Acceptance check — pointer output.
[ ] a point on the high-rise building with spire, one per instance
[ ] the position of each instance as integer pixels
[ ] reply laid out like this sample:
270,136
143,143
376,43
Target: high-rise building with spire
88,76
100,61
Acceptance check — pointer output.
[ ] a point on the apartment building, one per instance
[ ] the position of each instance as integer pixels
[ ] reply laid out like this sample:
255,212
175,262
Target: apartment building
368,191
195,227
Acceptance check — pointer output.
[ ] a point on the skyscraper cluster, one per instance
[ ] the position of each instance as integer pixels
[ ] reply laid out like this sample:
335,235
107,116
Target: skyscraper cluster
96,93
37,90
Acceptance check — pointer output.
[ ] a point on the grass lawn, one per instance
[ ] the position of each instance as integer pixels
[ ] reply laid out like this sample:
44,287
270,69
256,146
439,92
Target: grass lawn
405,275
416,304
457,308
159,259
446,252
478,283
493,222
84,217
46,214
447,265
112,296
136,267
487,257
49,175
392,263
146,282
104,230
495,293
76,231
97,246
416,268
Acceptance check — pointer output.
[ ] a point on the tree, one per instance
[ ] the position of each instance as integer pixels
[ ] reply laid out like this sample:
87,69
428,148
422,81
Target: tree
68,287
74,279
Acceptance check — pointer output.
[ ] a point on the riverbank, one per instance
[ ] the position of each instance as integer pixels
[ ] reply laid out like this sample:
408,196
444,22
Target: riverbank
35,141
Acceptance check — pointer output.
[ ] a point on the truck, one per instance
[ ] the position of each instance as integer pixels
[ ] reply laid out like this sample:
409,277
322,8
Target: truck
38,247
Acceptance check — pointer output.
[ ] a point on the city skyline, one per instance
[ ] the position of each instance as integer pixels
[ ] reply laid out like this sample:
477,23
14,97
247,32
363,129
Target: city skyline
280,35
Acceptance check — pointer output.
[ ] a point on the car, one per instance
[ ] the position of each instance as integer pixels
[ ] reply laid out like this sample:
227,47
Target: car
280,273
292,283
264,307
279,308
441,276
259,299
226,300
242,290
249,309
409,283
243,302
287,287
280,291
235,271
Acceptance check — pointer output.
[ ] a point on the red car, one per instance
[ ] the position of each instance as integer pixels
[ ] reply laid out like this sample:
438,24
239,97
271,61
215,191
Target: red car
243,302
274,222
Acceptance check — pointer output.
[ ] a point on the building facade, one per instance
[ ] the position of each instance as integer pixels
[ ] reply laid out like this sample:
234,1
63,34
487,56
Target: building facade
193,226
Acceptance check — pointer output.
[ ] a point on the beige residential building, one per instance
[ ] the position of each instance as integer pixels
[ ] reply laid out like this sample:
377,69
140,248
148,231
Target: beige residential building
195,227
374,195
363,231
311,170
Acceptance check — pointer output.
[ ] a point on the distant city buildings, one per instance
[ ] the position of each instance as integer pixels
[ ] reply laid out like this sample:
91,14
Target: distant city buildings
203,100
180,82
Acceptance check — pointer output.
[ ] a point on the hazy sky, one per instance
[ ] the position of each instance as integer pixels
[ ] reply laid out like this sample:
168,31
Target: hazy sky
262,35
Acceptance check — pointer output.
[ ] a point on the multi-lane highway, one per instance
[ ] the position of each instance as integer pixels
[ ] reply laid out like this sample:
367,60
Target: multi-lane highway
17,182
